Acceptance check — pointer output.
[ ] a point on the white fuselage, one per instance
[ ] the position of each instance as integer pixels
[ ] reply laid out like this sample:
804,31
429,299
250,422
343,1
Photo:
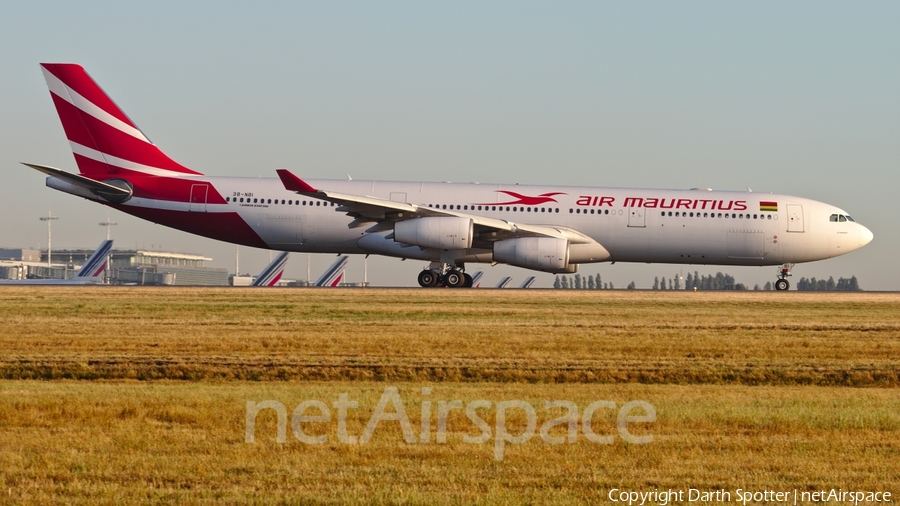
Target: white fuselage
634,225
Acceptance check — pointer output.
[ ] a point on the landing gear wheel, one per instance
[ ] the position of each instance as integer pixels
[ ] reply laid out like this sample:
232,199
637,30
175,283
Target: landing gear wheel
469,282
782,284
428,279
454,279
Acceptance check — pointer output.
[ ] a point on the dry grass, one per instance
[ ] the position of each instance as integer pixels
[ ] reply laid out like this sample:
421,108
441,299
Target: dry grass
752,390
448,335
86,442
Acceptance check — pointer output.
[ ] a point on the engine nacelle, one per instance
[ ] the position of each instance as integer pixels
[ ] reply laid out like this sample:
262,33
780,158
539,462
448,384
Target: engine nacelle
547,254
445,232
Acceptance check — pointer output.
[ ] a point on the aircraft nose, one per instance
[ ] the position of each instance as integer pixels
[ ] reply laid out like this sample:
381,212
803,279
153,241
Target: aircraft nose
865,236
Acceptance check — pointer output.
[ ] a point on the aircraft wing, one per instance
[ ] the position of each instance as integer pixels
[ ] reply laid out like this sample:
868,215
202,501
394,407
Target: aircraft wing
374,211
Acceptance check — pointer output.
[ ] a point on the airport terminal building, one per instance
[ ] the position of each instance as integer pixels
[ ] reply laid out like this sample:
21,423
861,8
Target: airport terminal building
139,266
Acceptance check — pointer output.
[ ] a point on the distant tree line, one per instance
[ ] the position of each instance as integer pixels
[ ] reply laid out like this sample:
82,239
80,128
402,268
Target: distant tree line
580,282
820,285
719,281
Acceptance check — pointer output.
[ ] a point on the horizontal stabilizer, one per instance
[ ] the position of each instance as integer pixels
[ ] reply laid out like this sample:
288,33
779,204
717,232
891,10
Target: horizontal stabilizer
108,191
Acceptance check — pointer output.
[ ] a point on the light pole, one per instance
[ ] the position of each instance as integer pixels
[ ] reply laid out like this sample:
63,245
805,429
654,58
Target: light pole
107,224
48,219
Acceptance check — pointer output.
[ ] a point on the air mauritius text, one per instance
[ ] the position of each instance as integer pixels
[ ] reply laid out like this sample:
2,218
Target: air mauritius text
558,430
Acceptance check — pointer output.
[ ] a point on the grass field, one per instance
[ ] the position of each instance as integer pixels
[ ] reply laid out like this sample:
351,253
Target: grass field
138,394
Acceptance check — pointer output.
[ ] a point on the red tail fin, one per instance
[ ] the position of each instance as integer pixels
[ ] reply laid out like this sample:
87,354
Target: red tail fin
103,139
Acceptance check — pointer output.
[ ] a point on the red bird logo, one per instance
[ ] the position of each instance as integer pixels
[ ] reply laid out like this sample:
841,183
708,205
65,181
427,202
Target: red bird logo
524,199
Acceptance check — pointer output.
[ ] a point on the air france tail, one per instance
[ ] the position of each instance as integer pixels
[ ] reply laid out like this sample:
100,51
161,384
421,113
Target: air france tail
93,269
335,274
272,273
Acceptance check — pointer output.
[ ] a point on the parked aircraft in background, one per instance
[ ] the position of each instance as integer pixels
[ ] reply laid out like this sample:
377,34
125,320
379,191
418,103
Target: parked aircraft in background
476,279
335,274
91,273
543,228
272,273
528,282
504,283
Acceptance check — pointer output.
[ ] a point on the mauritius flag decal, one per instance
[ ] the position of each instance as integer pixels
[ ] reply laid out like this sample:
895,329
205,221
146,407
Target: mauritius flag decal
768,206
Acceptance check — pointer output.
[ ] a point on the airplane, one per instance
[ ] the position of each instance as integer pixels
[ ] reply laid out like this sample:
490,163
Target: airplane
529,281
272,273
550,229
476,279
335,274
504,282
91,273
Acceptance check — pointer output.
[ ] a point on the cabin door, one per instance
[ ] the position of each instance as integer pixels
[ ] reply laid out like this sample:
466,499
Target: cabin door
198,198
795,218
636,217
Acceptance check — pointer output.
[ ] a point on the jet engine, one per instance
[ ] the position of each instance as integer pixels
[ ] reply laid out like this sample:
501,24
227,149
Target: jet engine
443,232
548,254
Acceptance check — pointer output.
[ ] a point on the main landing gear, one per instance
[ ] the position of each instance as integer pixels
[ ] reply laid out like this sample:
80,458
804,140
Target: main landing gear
450,277
783,272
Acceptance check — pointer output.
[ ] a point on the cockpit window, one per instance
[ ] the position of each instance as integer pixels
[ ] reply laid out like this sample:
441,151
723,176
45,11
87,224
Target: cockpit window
840,218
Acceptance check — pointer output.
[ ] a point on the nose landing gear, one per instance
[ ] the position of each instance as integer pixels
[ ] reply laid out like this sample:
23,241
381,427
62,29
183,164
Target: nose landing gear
783,272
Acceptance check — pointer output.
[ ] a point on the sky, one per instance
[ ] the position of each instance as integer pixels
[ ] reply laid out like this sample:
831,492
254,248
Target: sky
800,98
